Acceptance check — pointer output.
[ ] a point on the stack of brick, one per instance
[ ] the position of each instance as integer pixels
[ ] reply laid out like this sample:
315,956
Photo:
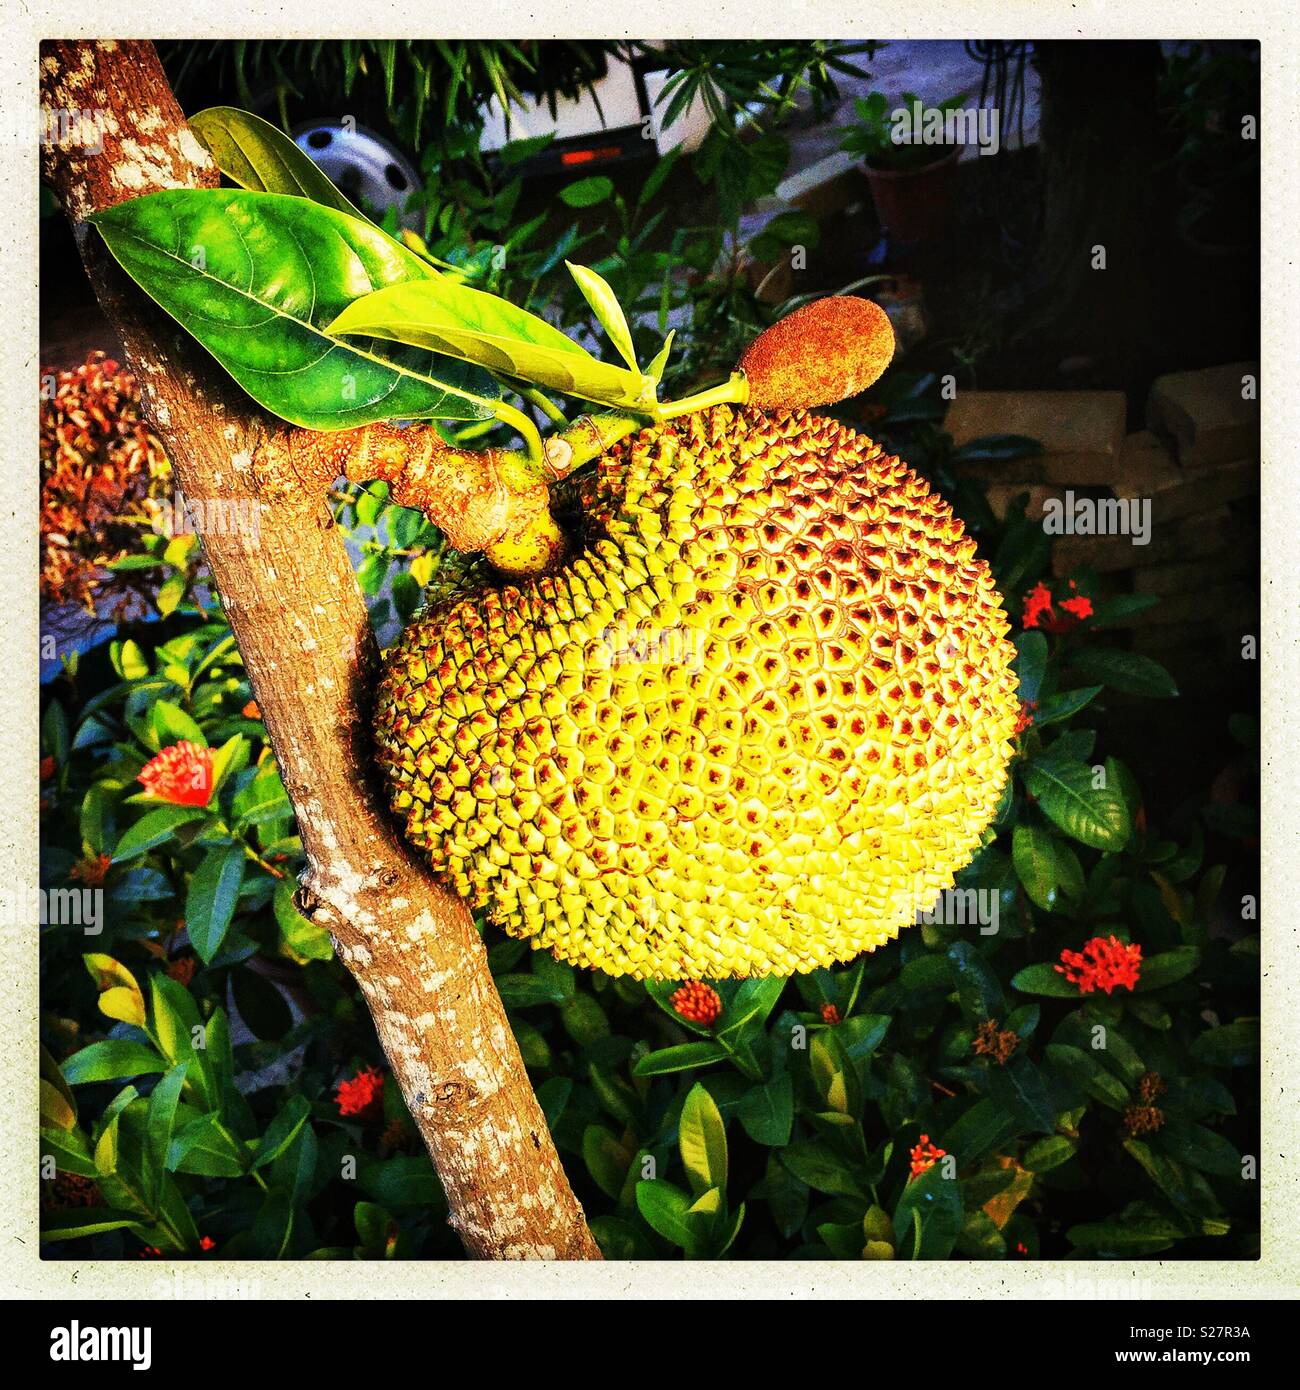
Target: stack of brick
1198,463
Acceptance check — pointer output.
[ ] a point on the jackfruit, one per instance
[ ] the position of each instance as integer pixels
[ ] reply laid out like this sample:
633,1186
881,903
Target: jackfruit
752,726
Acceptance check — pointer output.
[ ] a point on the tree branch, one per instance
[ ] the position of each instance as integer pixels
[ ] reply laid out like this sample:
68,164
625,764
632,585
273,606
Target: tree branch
302,629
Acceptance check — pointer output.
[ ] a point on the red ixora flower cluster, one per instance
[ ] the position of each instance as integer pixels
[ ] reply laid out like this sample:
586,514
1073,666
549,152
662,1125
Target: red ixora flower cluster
924,1156
181,774
831,1015
362,1094
697,1003
1104,963
1026,716
1038,610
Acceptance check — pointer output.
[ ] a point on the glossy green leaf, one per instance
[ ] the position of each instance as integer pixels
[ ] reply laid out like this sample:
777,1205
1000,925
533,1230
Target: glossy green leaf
1095,816
1044,979
665,1208
259,156
282,1131
1088,1073
1045,1154
153,829
767,1111
474,326
813,1163
160,1121
205,1147
210,902
1030,664
680,1058
1033,852
257,278
1065,704
937,1201
587,193
1167,968
111,1060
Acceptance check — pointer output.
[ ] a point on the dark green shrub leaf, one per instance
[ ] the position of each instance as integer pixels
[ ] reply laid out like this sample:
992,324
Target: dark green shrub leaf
813,1163
1030,664
1033,852
681,1058
1233,1045
767,1111
282,1131
1126,671
210,902
111,1060
153,829
1095,816
1167,968
937,1202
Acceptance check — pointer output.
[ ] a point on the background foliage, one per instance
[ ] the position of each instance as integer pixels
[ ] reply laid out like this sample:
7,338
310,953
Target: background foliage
212,1082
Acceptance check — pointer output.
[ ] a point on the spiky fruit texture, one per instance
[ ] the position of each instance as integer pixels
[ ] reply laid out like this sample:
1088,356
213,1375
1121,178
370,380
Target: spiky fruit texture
753,727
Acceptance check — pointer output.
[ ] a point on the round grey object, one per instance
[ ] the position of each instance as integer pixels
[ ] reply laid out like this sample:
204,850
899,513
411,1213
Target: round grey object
364,166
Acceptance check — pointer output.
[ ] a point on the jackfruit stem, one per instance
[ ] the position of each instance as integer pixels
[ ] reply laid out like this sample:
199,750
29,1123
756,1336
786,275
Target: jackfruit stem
526,430
733,391
545,404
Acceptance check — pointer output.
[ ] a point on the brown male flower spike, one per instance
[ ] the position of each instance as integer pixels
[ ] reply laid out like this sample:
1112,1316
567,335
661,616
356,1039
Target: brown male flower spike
824,352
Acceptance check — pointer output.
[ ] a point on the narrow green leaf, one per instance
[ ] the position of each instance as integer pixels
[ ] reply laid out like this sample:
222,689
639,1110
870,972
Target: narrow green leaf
282,1131
160,1121
153,829
210,902
609,312
111,1060
470,324
680,1058
1127,671
259,156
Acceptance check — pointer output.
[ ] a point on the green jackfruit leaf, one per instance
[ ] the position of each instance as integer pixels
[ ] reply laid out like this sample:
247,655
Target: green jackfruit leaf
258,277
475,326
262,158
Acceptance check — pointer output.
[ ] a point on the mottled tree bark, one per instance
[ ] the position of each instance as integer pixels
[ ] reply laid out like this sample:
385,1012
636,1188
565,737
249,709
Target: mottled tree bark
302,630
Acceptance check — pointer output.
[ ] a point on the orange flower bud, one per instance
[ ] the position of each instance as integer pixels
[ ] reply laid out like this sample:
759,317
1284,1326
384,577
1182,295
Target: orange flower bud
822,353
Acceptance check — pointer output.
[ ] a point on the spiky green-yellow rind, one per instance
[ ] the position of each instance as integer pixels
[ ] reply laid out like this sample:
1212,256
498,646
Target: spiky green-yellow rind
753,727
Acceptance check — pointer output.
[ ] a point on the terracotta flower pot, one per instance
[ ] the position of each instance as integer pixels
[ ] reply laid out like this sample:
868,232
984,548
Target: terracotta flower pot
913,204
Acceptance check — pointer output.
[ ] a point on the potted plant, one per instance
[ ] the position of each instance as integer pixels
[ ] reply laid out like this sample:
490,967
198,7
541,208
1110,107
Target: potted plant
911,179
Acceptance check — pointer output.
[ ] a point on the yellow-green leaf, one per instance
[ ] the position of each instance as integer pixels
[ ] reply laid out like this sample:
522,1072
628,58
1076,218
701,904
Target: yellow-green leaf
55,1109
609,312
484,329
256,155
702,1138
120,995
